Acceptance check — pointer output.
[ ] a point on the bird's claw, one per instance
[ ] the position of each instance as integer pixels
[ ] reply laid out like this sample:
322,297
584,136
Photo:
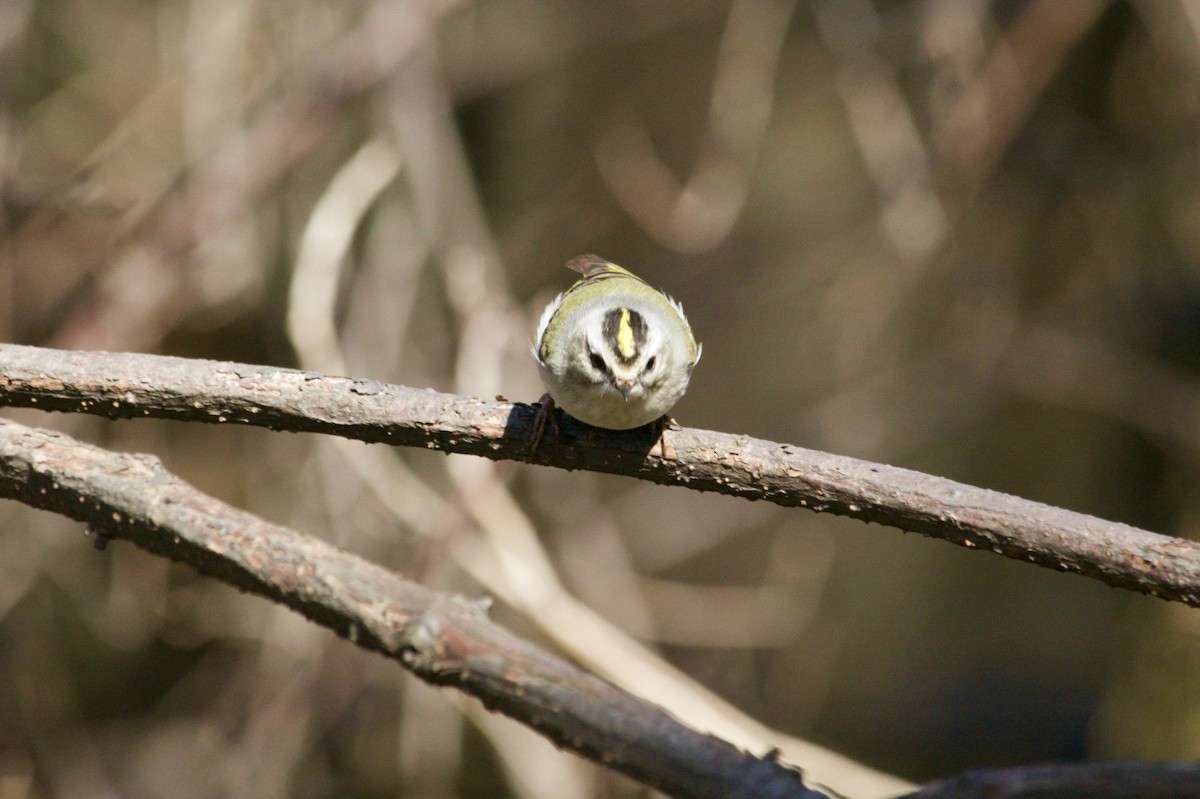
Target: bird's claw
545,415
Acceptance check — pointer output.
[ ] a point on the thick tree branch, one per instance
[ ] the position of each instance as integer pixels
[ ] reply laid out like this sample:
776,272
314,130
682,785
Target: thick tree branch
125,385
444,639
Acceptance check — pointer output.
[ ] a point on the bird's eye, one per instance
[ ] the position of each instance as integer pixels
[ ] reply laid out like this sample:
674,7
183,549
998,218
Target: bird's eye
650,362
598,362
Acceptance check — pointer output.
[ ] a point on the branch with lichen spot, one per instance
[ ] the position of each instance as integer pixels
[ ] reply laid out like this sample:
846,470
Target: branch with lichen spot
129,385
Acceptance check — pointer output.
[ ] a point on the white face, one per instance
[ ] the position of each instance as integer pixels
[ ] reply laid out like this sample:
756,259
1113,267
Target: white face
616,367
623,352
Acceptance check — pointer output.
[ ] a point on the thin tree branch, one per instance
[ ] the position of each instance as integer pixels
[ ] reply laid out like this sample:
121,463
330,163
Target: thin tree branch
127,385
444,639
1076,781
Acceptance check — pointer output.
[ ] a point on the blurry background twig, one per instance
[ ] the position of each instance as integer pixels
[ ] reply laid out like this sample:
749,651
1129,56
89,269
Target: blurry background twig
962,237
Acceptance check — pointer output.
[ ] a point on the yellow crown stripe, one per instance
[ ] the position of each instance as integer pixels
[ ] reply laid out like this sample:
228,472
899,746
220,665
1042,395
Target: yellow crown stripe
625,342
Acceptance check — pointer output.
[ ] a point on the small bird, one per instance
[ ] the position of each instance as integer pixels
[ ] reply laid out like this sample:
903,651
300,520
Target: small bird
611,350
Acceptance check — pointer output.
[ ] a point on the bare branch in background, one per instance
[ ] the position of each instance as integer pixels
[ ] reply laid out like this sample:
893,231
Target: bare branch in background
121,386
925,181
912,216
445,640
974,132
147,282
1144,392
697,213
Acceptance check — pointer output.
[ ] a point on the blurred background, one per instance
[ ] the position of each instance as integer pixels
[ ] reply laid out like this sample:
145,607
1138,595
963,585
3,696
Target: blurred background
953,235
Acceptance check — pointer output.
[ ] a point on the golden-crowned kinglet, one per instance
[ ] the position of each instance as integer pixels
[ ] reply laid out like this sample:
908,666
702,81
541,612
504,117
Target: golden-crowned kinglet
611,350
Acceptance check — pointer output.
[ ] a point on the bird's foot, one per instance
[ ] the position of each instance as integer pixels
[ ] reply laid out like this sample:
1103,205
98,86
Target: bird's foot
665,450
545,415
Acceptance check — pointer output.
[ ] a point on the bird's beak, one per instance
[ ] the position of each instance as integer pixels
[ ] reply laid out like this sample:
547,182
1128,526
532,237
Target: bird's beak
624,386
